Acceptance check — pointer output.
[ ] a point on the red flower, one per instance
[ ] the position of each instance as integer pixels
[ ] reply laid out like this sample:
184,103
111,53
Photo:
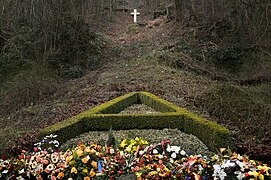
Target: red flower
167,174
154,167
135,169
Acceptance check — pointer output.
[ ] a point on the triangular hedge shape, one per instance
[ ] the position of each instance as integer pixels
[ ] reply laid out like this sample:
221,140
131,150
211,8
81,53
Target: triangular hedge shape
104,116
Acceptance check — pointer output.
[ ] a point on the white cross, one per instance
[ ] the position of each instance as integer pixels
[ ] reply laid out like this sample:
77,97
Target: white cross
135,13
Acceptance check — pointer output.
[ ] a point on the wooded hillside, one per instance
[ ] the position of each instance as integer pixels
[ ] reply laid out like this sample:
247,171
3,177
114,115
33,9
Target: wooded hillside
60,57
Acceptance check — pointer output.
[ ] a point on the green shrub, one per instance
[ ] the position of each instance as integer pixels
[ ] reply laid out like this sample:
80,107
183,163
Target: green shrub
172,116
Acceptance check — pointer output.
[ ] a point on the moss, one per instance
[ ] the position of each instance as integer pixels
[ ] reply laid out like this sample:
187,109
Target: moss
172,116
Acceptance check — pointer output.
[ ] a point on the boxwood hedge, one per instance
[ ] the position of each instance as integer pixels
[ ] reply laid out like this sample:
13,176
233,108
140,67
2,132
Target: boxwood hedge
104,116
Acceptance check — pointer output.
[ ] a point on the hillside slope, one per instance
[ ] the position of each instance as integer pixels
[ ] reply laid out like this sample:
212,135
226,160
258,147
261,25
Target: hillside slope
154,57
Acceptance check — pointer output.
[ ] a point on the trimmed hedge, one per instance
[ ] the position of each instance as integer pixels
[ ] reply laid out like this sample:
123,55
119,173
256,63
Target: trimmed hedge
105,115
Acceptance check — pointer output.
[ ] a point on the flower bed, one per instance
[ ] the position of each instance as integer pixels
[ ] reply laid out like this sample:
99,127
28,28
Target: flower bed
134,158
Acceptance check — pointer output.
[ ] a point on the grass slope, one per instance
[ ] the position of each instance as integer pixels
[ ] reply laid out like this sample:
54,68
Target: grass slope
141,60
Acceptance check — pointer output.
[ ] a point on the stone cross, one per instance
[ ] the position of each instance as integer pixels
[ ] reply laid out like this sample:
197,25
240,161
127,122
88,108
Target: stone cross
135,13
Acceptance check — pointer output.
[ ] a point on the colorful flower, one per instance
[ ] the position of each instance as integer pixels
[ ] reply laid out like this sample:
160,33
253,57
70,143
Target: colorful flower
74,170
92,173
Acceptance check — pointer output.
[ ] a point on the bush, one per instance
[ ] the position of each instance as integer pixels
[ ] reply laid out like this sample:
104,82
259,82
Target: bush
104,116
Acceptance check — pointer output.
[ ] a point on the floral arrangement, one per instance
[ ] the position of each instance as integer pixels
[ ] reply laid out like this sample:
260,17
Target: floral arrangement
134,157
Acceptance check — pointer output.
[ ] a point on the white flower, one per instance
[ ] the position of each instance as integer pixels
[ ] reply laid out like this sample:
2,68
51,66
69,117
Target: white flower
176,149
34,165
111,151
173,155
216,167
121,153
41,167
222,175
21,171
171,160
20,178
168,148
155,151
200,168
5,172
141,152
183,153
228,163
128,149
50,167
239,175
160,156
241,165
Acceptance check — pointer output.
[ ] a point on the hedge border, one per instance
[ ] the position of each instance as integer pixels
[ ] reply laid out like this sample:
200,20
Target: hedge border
103,116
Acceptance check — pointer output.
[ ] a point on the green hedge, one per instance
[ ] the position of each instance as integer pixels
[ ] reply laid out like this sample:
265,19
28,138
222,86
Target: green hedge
171,116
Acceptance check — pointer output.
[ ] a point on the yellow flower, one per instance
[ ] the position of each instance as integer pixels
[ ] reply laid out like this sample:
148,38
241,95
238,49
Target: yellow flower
94,164
93,146
152,173
86,178
123,143
132,142
92,173
138,174
60,175
79,152
256,174
85,159
87,149
68,159
74,170
261,177
265,168
34,164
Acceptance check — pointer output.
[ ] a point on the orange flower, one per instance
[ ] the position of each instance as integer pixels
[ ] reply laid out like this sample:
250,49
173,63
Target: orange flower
94,164
86,178
92,151
60,175
79,152
85,159
99,154
74,170
92,173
